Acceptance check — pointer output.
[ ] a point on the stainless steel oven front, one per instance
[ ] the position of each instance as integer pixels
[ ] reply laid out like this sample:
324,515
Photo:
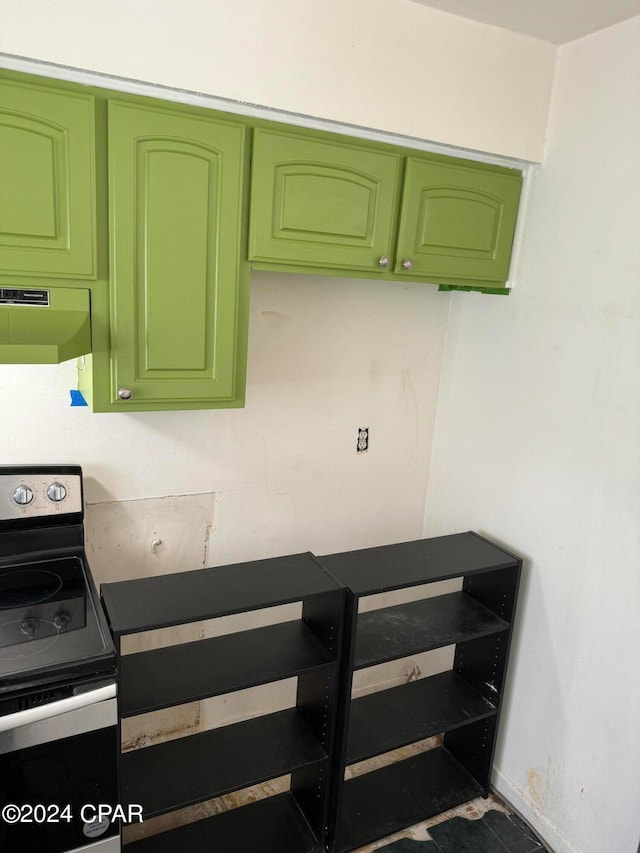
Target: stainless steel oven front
58,777
58,720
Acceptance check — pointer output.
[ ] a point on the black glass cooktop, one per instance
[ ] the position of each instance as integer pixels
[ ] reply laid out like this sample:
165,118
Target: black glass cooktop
49,626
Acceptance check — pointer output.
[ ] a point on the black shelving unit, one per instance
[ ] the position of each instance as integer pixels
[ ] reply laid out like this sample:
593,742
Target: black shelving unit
461,705
198,767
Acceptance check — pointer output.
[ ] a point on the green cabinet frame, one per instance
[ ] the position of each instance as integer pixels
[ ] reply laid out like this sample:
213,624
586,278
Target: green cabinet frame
145,204
458,220
47,181
324,204
175,211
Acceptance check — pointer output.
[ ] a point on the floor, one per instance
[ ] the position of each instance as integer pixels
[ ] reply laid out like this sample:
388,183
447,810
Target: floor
480,826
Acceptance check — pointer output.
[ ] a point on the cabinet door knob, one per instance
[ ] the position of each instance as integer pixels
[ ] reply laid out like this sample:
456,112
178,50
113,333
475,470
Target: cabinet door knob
408,264
125,393
384,261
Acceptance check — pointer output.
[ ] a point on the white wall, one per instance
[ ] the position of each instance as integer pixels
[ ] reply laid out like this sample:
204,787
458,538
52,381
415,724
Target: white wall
392,65
326,356
537,445
282,475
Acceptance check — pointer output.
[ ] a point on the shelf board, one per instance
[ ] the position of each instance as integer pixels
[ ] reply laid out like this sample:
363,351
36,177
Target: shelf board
372,570
191,769
401,715
384,801
272,825
405,629
160,601
188,672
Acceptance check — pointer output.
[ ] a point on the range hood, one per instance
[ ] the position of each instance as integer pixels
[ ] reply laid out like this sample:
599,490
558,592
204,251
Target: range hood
43,326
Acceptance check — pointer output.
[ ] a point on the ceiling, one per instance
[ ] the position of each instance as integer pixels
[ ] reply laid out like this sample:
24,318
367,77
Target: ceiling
557,21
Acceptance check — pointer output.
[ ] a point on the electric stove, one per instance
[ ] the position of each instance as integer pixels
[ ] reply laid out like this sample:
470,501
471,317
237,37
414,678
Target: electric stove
58,714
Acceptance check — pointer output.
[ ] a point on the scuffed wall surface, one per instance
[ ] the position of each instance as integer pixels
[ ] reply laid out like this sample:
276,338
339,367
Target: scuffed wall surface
152,536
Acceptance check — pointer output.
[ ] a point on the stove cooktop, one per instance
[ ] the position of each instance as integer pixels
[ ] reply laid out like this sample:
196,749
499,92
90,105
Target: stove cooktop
53,632
49,626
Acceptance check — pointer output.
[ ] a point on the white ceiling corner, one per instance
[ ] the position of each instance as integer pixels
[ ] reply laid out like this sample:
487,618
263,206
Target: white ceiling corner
555,21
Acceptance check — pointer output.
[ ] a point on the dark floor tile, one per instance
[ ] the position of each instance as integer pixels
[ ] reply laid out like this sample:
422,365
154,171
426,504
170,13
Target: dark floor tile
408,845
459,835
513,832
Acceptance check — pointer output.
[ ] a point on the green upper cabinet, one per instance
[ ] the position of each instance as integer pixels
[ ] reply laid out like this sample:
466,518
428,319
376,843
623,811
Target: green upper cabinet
457,221
330,205
47,181
178,287
322,203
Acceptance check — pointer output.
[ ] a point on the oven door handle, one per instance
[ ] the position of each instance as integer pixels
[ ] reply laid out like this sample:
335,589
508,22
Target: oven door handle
54,709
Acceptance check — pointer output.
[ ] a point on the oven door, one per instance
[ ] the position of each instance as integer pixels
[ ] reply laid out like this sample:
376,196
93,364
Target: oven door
58,763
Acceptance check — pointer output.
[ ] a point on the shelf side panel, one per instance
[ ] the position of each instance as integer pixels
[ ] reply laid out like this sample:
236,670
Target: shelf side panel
483,662
473,747
496,589
339,752
310,787
324,615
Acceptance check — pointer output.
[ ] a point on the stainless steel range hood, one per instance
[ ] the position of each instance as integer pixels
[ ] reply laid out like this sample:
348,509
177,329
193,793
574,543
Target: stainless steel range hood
43,326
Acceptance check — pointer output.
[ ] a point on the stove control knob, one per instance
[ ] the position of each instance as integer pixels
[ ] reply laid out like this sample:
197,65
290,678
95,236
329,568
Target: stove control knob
30,627
23,495
62,620
56,492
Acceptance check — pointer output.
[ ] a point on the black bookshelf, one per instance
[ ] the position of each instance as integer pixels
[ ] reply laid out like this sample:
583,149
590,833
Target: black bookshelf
461,706
201,766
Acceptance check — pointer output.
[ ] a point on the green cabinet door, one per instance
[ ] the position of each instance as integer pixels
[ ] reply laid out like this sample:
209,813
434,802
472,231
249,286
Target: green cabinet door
177,311
457,221
321,202
47,181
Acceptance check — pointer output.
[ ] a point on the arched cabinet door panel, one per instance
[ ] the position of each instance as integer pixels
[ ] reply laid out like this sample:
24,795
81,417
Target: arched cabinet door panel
322,203
175,205
47,181
457,220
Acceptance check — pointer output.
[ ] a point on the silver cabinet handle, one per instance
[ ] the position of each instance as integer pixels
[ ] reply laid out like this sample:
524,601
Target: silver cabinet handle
408,264
384,261
125,393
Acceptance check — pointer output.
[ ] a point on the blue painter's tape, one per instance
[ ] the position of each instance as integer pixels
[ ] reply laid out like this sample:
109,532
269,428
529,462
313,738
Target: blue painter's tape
77,398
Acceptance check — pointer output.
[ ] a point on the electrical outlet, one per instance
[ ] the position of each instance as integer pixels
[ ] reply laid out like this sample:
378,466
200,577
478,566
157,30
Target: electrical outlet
362,444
